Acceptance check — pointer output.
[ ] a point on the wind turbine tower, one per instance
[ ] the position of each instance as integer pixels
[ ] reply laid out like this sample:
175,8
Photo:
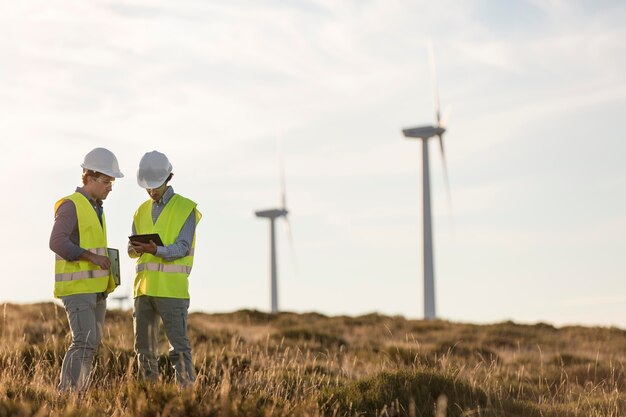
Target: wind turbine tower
272,215
424,133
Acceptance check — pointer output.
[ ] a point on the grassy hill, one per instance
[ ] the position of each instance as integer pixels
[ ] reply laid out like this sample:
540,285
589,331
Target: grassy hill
254,364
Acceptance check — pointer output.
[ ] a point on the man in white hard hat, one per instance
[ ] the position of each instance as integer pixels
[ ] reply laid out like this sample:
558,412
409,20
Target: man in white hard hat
82,276
161,286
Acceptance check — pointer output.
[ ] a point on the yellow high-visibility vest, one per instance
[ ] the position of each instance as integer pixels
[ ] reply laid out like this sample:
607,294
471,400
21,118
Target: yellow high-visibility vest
83,277
155,276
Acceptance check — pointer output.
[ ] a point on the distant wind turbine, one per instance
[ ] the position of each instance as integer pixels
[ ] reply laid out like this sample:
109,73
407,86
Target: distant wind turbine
121,299
424,133
272,215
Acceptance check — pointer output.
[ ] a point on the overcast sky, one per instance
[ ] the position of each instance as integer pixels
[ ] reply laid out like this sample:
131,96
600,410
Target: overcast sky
536,97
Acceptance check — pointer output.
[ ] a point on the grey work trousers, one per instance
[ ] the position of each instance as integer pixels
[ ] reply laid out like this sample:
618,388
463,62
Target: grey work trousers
173,313
85,313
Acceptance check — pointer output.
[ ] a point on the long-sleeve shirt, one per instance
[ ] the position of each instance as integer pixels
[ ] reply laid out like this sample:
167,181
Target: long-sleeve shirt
182,246
65,238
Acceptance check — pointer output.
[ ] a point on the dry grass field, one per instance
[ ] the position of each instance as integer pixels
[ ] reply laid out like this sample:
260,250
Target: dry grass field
253,364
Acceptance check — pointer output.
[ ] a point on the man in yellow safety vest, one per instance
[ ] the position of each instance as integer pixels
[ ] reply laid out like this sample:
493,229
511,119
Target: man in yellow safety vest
82,275
161,283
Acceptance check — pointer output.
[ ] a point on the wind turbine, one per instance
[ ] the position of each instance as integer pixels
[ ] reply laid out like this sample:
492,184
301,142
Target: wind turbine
272,215
121,299
424,133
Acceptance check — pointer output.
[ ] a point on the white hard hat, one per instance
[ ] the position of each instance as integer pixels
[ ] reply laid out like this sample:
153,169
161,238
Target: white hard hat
154,168
102,160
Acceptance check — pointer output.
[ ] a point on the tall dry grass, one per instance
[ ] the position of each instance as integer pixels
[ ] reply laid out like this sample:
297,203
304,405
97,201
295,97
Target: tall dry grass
253,364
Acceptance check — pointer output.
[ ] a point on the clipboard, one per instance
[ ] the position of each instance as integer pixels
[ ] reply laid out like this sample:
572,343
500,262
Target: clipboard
114,256
147,238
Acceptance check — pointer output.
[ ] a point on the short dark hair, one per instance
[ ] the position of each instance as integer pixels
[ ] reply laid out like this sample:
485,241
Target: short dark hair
92,174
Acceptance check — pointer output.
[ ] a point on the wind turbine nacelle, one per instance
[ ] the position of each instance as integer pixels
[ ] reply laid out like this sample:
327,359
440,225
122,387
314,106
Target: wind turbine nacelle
423,132
271,213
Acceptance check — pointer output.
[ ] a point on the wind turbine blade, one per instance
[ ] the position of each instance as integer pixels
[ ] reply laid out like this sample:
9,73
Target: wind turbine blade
291,245
433,81
446,116
445,174
281,168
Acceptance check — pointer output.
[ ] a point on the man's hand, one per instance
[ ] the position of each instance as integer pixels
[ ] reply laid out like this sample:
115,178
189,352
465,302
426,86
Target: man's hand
102,261
141,248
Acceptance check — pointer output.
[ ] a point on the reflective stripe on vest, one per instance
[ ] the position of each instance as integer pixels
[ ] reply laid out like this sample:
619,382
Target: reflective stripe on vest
97,251
153,266
96,273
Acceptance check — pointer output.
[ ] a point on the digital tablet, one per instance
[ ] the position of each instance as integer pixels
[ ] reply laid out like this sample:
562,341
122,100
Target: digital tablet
147,238
114,256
